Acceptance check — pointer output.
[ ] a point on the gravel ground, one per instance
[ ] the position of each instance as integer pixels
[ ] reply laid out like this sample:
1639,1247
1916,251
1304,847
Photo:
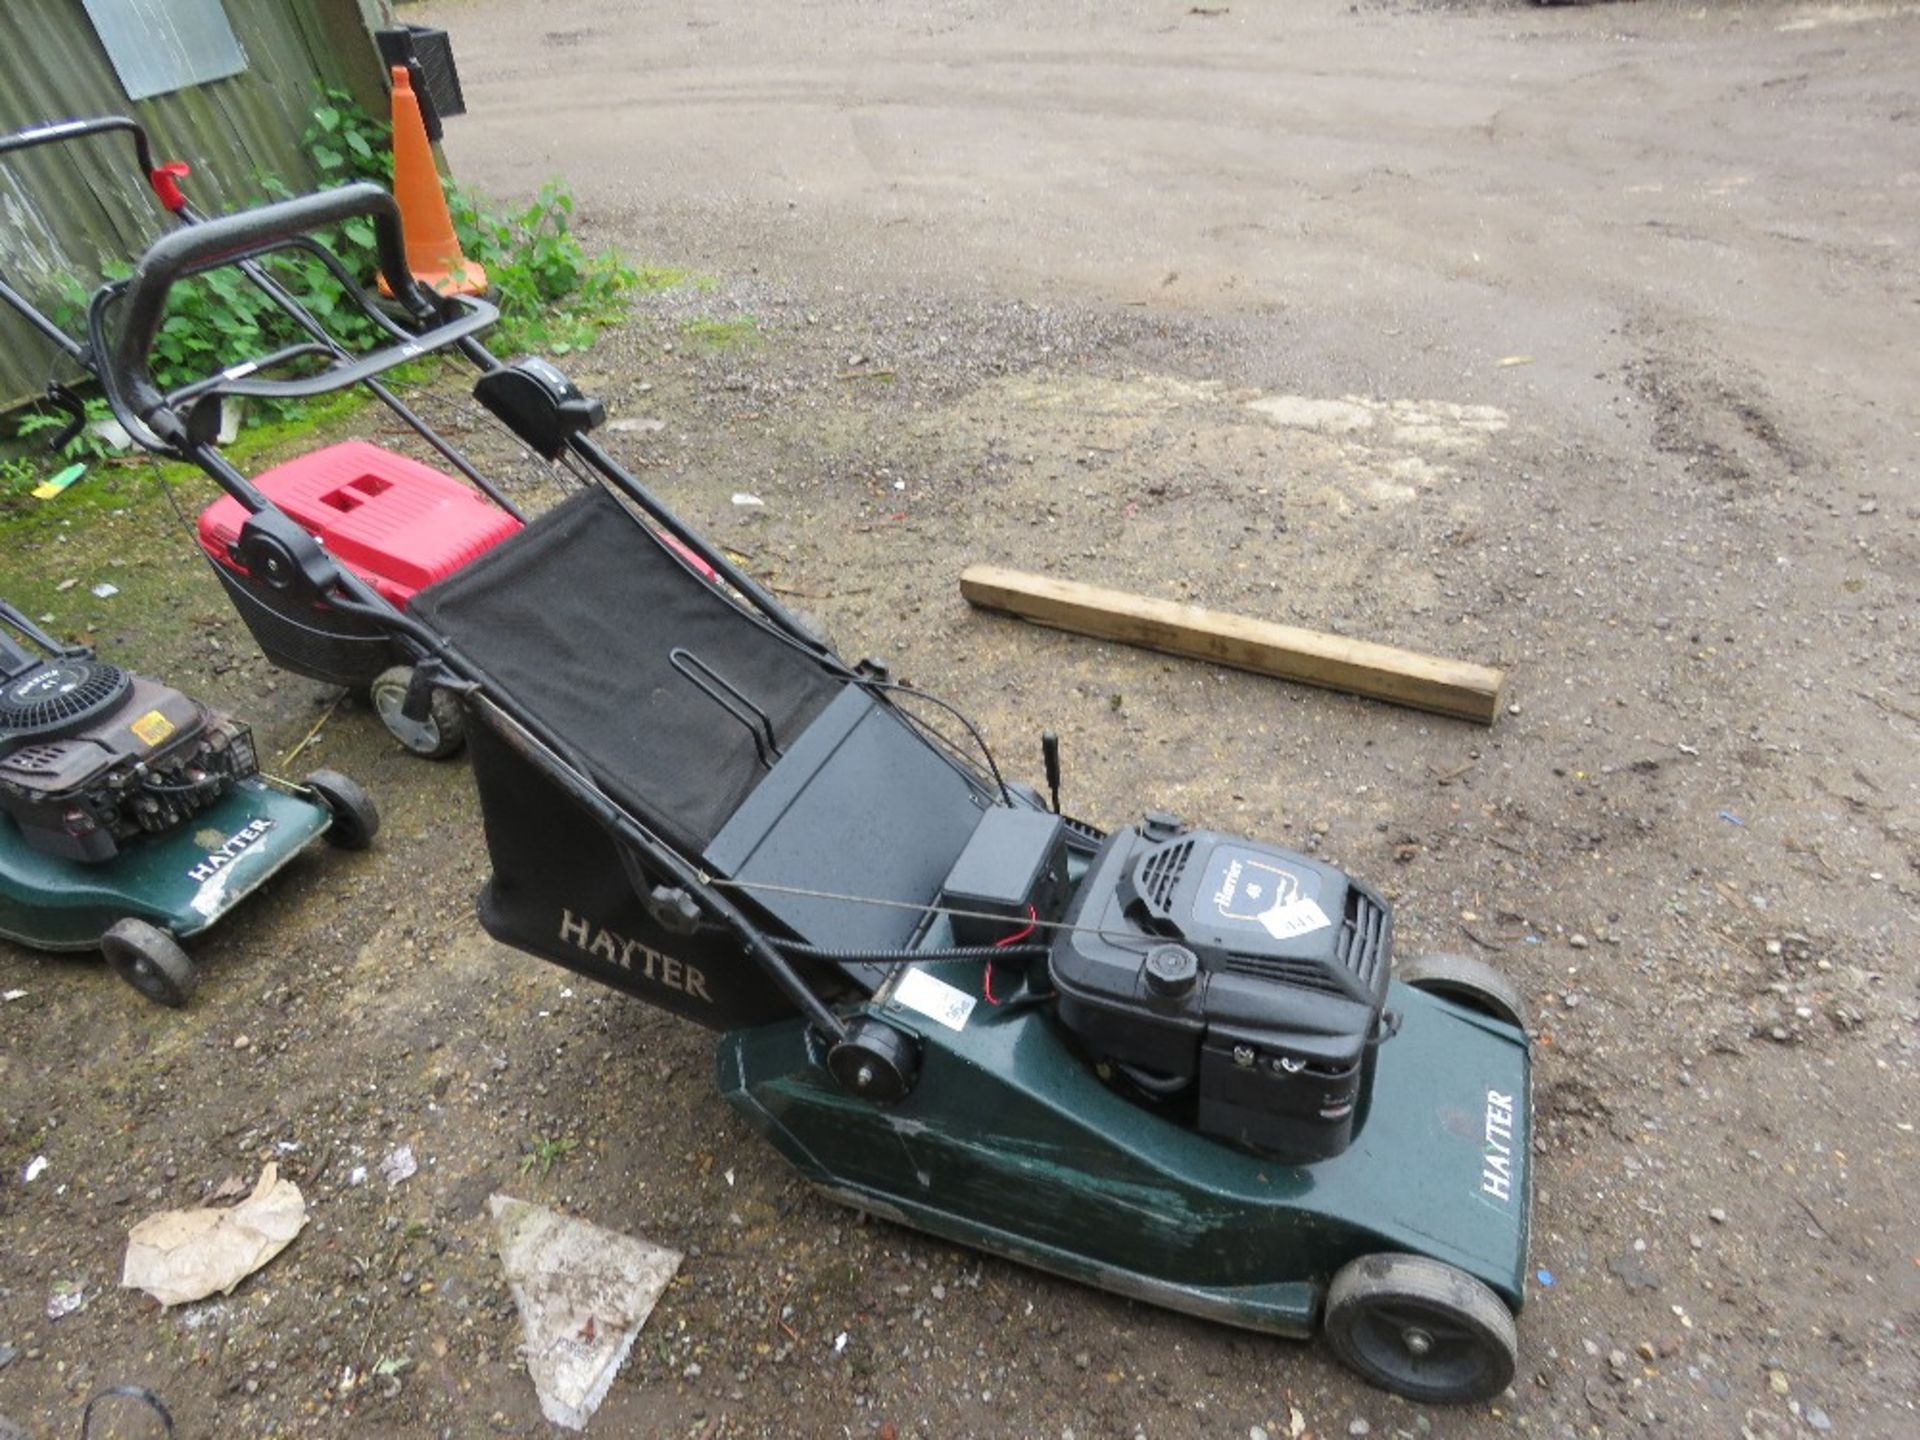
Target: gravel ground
1575,341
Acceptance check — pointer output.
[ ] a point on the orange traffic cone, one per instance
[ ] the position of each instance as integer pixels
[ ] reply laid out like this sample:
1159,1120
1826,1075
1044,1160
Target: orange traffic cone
433,250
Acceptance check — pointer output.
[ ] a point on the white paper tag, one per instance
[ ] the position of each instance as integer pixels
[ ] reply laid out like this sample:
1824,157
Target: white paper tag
934,998
1294,919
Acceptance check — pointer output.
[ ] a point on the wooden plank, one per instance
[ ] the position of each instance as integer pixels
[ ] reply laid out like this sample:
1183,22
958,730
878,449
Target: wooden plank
1360,667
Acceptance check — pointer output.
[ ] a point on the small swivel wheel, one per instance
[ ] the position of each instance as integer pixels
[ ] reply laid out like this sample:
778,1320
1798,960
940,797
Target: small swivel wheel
440,734
1472,983
150,960
356,820
1421,1328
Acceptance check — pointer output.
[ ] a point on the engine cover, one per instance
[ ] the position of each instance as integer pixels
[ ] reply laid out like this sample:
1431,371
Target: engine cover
143,759
1243,979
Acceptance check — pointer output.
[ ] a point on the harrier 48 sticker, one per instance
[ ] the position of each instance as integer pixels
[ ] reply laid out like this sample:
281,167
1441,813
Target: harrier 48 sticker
1244,890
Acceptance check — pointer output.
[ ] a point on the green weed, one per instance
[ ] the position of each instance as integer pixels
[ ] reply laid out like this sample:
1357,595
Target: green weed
552,294
17,477
86,445
545,1154
741,331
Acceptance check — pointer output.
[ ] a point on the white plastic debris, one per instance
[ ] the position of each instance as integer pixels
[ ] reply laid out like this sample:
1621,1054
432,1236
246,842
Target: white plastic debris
104,591
67,1298
742,498
182,1255
36,1167
13,995
583,1293
357,1175
399,1165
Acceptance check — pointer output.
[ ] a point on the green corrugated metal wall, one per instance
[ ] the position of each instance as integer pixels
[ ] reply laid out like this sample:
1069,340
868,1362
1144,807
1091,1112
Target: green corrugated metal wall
73,208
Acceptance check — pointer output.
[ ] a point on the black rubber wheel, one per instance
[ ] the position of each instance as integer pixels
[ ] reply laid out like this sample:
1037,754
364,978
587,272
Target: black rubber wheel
1473,983
150,960
1421,1329
441,734
356,819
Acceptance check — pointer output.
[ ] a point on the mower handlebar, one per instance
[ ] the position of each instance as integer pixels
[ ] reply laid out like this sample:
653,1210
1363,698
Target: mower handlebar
245,236
79,129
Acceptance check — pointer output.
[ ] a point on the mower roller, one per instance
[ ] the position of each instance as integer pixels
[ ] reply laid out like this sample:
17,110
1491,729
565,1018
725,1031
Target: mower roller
1166,1061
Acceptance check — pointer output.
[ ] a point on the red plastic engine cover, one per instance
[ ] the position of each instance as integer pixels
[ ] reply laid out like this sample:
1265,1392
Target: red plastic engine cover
397,524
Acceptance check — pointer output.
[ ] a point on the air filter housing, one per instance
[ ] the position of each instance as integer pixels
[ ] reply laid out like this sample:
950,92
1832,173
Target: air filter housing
55,697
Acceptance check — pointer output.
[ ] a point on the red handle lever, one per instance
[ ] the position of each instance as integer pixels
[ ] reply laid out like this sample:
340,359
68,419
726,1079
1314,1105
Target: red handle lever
166,184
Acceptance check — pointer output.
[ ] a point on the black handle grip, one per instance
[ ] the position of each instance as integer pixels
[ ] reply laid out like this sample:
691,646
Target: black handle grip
65,130
230,238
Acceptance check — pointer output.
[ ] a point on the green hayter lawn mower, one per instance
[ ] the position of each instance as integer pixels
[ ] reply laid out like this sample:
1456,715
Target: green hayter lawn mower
1173,1063
132,817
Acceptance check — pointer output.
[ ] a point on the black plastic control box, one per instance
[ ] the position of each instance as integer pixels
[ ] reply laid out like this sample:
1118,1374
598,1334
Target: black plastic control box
1015,861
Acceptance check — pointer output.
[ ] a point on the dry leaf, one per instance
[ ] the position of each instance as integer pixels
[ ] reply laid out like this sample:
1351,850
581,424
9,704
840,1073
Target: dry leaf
183,1255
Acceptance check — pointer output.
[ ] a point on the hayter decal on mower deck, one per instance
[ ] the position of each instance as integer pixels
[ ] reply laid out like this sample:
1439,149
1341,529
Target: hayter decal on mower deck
223,852
215,874
632,956
1496,1161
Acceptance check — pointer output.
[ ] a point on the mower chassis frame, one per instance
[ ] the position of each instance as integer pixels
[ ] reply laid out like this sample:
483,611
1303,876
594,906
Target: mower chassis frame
49,903
1010,1143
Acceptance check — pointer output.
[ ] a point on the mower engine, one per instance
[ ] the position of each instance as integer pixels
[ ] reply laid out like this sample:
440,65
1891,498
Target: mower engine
1240,980
92,757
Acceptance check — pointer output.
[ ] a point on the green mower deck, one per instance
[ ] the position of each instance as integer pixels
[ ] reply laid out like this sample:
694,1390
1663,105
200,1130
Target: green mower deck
181,882
1009,1143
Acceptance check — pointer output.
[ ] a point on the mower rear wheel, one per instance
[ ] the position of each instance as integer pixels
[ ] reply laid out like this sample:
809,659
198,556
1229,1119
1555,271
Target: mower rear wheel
1421,1328
356,819
1473,983
150,960
441,734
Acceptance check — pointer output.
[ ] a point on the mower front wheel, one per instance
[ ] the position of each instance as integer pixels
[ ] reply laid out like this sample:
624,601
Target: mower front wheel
356,819
150,960
1471,982
439,735
1422,1329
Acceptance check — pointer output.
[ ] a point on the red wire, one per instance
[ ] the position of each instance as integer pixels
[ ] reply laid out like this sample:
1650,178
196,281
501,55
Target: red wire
1033,921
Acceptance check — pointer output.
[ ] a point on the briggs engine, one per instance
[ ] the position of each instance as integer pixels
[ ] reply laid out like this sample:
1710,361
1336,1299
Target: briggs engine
92,757
1238,979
